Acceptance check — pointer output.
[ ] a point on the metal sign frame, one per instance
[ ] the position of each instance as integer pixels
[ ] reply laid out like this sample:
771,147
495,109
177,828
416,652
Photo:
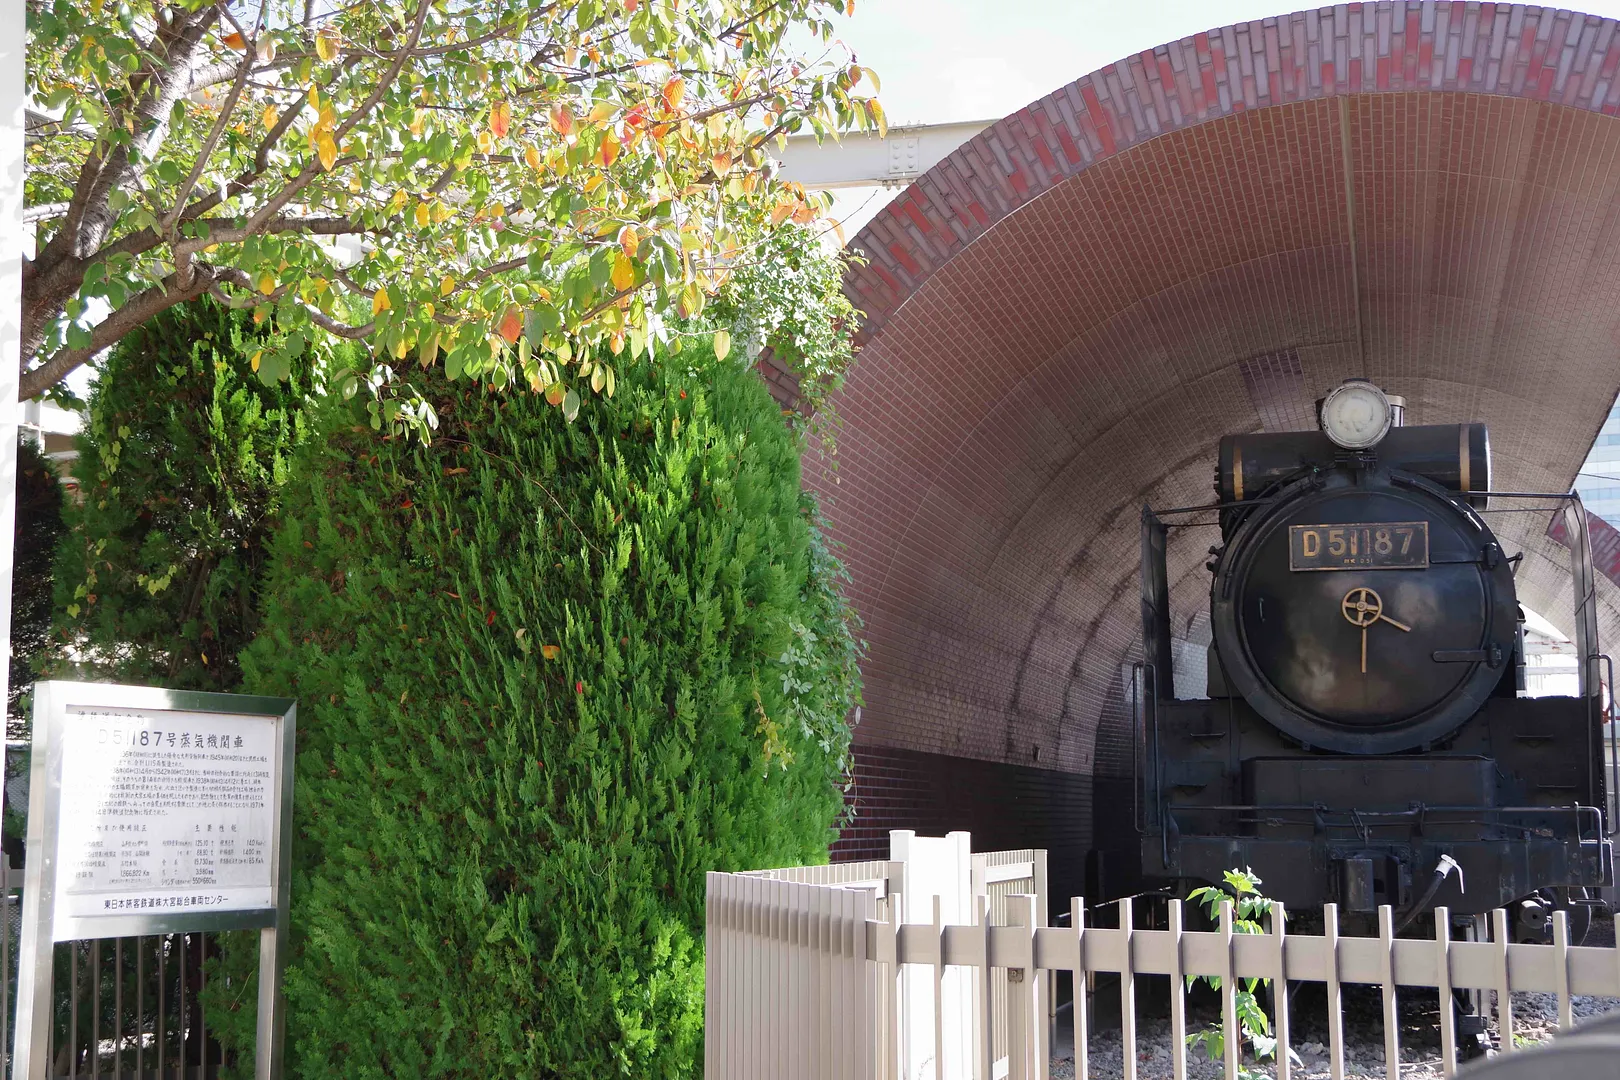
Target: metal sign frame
35,952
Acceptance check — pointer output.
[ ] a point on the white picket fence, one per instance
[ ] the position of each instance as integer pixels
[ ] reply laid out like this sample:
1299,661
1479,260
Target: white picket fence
825,973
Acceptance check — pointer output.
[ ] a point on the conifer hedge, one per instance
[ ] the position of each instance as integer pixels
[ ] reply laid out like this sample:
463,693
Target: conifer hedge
181,461
548,675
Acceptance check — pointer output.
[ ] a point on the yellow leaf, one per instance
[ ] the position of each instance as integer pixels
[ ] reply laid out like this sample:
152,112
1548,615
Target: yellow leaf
629,240
267,283
270,117
598,380
397,203
424,216
326,44
532,156
442,212
594,182
429,351
315,97
624,272
254,363
447,286
550,652
379,302
600,112
722,344
400,348
326,149
236,41
500,119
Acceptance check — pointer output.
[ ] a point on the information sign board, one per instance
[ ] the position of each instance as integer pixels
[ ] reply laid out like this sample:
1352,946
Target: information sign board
153,812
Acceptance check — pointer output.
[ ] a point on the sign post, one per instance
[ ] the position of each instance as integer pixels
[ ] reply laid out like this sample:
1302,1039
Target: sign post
154,812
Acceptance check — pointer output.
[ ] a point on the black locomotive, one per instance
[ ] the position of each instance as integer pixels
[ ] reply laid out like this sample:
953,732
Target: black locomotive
1363,734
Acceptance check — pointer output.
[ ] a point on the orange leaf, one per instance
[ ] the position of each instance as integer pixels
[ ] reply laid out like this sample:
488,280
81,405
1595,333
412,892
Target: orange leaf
500,119
630,6
781,211
629,240
637,116
532,156
236,41
555,393
562,121
722,164
674,93
511,324
610,147
550,652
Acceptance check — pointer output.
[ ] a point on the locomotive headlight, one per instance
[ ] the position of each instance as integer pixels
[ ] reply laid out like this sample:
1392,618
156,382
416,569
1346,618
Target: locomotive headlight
1356,414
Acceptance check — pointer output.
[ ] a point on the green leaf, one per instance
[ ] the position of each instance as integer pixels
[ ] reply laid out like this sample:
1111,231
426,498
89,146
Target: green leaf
570,406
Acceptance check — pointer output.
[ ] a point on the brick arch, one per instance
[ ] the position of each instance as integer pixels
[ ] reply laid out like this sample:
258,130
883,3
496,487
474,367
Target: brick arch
1065,315
1540,54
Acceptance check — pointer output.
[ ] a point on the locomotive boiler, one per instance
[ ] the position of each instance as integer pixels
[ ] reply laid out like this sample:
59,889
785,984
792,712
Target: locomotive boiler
1364,740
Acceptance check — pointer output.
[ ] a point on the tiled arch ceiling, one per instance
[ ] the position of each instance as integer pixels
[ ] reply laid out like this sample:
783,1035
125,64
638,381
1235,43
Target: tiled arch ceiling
1064,316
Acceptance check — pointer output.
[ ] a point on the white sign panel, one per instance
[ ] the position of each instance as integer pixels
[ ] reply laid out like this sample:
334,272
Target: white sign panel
166,812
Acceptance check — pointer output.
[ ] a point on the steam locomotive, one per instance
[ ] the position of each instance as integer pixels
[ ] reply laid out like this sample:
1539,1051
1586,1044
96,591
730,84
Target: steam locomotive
1363,740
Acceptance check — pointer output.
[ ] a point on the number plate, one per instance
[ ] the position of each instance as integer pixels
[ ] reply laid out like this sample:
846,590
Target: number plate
1372,545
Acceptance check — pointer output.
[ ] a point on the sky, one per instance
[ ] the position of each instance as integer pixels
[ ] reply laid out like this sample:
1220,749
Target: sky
947,60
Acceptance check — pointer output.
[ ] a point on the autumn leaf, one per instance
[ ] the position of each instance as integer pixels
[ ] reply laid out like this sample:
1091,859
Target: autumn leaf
624,272
380,302
629,240
674,93
555,393
424,216
326,150
254,363
266,48
511,324
447,285
562,122
722,344
326,44
532,157
550,652
236,41
267,283
600,112
269,117
610,148
500,119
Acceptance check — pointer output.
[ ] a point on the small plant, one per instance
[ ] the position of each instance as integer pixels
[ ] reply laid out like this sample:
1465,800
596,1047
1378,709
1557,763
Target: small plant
1249,907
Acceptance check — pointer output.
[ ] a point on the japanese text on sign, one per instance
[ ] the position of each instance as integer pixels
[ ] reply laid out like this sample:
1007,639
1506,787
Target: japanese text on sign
166,811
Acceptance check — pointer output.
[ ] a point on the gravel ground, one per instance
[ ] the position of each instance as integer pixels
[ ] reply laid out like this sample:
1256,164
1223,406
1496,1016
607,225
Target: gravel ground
1535,1019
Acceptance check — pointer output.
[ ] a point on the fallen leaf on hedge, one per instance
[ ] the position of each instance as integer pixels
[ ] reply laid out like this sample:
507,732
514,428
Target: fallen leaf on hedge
550,652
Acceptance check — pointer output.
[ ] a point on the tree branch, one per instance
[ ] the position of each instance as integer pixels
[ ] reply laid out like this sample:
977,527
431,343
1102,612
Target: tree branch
136,310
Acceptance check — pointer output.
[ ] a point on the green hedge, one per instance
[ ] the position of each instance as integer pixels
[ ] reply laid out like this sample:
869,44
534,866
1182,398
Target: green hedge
548,675
183,454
